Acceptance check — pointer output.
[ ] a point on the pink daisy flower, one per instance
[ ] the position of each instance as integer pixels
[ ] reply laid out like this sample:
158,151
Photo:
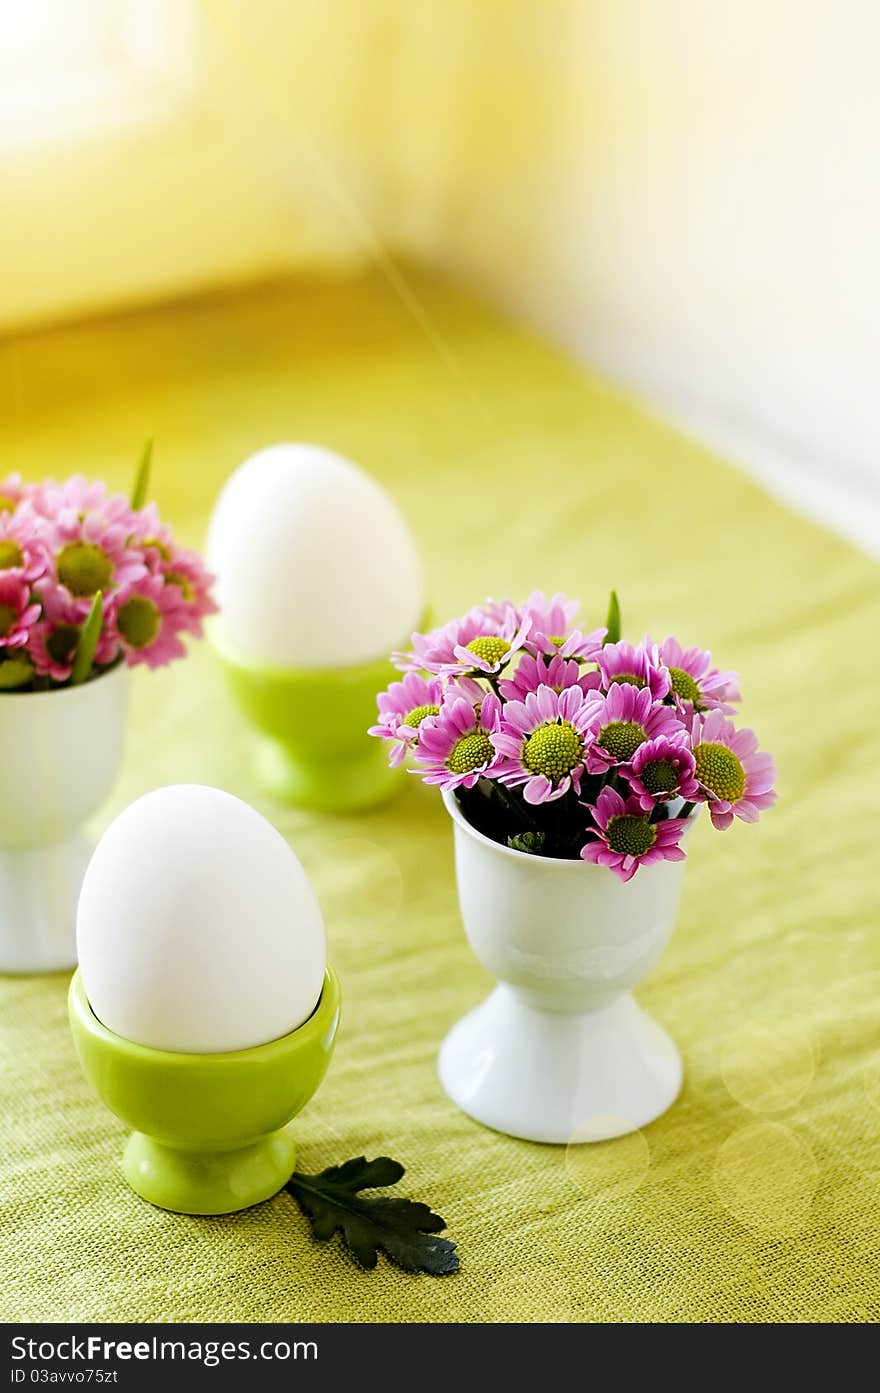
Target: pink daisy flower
541,743
80,496
12,491
483,641
625,838
17,613
497,610
146,619
186,570
455,748
662,769
467,687
428,649
55,638
639,666
22,548
52,649
696,685
551,628
151,535
556,672
403,708
734,776
90,551
620,721
177,566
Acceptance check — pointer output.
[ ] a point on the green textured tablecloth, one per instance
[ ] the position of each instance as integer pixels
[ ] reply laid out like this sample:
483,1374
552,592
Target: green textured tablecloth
756,1197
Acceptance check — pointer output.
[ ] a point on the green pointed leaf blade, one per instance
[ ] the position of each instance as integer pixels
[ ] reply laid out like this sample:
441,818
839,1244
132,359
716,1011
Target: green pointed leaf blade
612,623
142,477
88,642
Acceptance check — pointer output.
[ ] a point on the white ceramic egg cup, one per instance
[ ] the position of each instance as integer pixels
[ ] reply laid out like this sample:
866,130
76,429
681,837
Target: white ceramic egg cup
60,753
560,1051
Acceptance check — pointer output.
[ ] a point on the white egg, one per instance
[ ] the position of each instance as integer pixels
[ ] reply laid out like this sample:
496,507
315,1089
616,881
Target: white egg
315,565
197,929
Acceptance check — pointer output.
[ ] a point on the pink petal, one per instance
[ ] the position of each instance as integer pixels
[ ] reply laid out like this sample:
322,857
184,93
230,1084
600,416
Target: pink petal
538,790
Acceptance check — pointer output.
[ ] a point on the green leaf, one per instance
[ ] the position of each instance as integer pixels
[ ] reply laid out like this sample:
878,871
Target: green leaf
403,1229
531,842
88,641
142,478
612,623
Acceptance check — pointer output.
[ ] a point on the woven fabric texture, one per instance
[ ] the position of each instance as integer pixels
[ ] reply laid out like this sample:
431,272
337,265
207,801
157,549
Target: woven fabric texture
756,1197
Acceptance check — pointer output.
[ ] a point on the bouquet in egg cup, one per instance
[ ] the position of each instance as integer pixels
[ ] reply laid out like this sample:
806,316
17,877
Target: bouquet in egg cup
573,764
90,580
90,584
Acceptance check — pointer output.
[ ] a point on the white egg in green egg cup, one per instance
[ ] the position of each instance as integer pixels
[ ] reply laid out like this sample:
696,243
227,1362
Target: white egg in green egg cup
203,1012
318,579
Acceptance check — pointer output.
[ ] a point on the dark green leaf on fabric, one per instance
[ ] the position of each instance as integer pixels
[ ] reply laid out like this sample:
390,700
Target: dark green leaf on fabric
405,1230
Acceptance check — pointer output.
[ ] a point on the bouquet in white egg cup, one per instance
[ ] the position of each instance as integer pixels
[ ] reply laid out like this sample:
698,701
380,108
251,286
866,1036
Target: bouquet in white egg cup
573,765
317,577
90,585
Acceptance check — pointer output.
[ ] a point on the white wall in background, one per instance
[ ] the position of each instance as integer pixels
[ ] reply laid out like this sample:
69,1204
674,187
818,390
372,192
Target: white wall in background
684,192
687,192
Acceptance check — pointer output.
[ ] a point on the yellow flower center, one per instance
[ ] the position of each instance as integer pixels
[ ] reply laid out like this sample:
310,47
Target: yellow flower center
471,752
629,679
11,555
183,585
554,750
418,714
489,647
7,504
84,568
139,621
630,835
660,776
15,672
719,770
621,739
160,547
684,685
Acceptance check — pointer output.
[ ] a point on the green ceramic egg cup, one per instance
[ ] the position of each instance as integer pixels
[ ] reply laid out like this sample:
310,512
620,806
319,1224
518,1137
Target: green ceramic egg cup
208,1136
315,750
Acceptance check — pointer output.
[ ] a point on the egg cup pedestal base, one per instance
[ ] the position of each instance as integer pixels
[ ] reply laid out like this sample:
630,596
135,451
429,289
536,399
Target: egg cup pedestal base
560,1076
315,751
39,888
325,786
207,1135
208,1182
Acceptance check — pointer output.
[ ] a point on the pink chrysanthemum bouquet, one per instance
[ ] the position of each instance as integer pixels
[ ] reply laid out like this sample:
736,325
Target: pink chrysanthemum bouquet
89,580
564,742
